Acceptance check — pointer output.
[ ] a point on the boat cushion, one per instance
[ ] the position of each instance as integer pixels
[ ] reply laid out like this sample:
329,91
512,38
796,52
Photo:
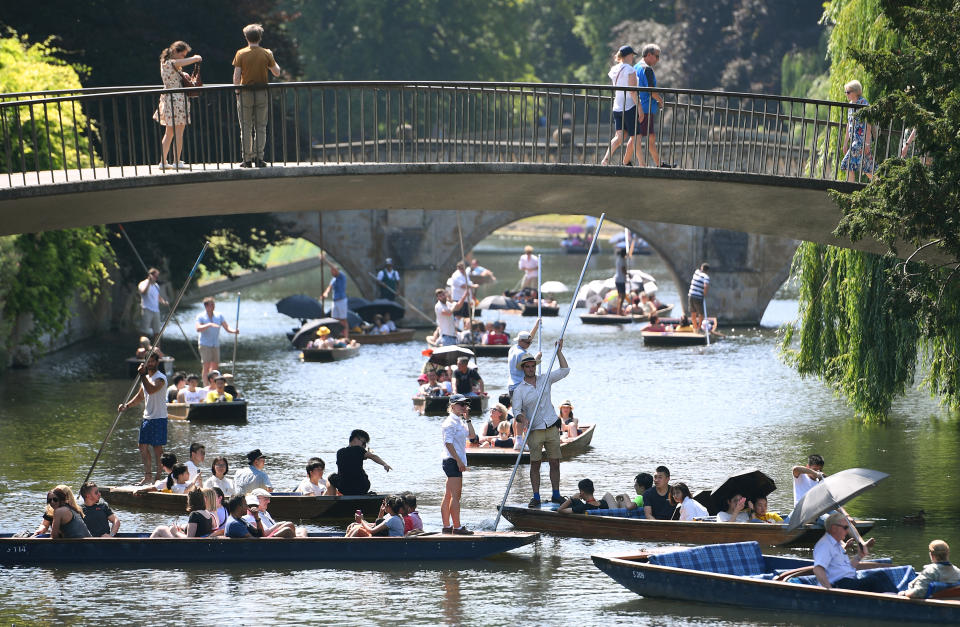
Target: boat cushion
734,558
940,586
621,512
899,576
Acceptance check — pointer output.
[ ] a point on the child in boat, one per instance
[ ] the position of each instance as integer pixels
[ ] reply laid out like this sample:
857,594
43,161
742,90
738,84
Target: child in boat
569,428
760,512
314,484
582,501
392,510
411,517
167,462
690,509
176,481
504,439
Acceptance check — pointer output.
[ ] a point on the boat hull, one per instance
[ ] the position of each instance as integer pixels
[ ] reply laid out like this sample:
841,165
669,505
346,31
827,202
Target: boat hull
548,312
283,506
224,413
488,350
612,319
654,338
440,405
641,529
665,582
326,355
397,337
578,445
138,550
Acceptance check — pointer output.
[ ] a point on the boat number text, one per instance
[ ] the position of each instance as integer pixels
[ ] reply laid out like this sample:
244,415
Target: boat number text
17,549
637,574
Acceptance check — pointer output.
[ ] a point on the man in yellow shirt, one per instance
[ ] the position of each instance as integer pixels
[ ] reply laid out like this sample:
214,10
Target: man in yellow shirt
250,66
220,394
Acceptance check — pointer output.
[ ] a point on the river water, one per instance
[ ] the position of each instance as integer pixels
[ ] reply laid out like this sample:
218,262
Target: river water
704,413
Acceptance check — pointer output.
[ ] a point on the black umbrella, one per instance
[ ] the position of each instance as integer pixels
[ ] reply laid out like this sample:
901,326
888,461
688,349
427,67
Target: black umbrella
448,355
833,492
703,497
300,306
379,306
499,301
308,331
355,302
352,318
749,483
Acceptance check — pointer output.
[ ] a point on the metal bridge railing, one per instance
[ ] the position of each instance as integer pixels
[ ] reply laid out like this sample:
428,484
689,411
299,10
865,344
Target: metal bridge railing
72,135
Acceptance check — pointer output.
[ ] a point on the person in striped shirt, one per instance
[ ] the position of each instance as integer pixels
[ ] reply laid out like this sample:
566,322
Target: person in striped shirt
699,285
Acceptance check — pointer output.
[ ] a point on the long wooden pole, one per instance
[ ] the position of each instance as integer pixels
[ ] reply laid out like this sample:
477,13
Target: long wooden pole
236,338
136,380
402,299
539,305
546,380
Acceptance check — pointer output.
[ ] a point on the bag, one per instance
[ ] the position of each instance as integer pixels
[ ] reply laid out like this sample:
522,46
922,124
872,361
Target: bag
191,80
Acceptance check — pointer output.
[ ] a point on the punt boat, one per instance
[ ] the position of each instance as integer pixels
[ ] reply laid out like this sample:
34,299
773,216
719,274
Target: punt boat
283,505
439,405
231,412
682,338
165,365
617,319
328,354
140,551
530,309
394,337
615,524
488,350
568,448
740,575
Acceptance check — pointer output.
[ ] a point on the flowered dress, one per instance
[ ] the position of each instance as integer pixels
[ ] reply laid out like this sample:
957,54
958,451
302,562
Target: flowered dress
856,133
179,113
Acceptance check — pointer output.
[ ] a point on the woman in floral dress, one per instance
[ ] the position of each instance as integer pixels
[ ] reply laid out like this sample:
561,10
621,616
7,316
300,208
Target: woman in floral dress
857,142
174,109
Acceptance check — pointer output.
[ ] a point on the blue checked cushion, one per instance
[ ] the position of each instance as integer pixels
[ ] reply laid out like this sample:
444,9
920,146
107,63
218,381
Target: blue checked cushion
899,576
735,558
939,586
620,512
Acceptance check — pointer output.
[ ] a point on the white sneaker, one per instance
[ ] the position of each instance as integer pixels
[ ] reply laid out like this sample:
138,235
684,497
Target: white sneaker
163,165
182,165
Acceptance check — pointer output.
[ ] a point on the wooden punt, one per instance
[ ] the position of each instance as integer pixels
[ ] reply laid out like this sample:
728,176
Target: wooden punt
650,530
166,365
490,455
637,573
138,550
283,505
232,412
686,338
396,337
328,354
488,350
615,319
548,312
439,405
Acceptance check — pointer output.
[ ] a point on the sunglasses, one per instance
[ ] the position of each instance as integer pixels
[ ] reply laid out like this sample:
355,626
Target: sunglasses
844,526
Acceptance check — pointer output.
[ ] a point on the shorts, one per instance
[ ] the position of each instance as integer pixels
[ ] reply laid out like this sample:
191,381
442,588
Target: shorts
339,309
539,439
695,304
153,431
621,288
649,124
448,340
450,468
209,354
150,322
626,121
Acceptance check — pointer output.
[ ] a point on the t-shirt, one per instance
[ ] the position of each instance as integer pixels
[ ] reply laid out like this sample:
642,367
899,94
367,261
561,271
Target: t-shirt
394,526
454,431
254,63
621,272
249,478
769,517
150,300
351,478
172,394
513,364
659,505
725,517
266,520
691,509
194,471
236,529
529,265
412,521
646,78
802,485
306,487
499,339
210,336
829,554
97,518
445,319
195,396
339,284
697,284
580,507
638,501
214,397
459,282
155,405
204,524
225,485
464,380
508,443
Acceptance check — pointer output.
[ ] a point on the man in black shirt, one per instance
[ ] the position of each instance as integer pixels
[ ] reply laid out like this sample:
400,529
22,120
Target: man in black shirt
656,500
97,515
466,380
350,477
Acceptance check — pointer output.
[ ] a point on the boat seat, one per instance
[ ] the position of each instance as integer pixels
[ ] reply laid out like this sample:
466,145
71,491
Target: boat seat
899,576
734,558
619,512
940,590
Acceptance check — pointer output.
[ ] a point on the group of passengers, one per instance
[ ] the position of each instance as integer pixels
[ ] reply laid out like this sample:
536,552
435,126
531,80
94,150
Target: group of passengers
529,296
439,380
398,517
381,325
325,341
185,388
633,303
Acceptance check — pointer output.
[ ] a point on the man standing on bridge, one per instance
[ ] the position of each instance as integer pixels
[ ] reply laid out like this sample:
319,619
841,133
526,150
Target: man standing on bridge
250,66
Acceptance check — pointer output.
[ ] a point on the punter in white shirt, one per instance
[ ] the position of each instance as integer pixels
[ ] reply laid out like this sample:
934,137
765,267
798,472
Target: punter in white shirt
806,477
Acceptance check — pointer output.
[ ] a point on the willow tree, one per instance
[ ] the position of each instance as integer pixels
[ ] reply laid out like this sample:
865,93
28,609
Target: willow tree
865,319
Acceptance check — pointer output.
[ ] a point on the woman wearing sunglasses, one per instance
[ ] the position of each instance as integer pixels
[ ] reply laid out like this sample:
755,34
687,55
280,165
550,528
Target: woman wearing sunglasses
67,517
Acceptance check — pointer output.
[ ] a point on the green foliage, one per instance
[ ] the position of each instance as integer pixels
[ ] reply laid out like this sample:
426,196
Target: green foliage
9,261
52,269
36,129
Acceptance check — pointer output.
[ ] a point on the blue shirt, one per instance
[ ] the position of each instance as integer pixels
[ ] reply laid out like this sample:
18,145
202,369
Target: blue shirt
236,529
646,78
339,284
211,336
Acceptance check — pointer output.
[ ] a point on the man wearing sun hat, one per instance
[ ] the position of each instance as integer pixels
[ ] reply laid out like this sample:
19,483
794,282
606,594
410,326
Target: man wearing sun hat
529,265
253,476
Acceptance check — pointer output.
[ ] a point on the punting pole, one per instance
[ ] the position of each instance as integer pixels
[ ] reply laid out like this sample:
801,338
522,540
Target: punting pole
146,269
539,306
236,337
706,329
463,257
404,300
536,407
136,380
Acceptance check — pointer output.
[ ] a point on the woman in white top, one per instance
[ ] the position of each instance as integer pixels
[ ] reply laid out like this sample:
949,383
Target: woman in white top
219,478
689,508
626,115
737,510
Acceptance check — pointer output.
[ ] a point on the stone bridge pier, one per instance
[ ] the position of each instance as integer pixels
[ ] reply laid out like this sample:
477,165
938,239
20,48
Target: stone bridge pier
746,270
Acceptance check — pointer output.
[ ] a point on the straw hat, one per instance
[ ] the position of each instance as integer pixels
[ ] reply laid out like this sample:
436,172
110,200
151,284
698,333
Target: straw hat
322,331
528,249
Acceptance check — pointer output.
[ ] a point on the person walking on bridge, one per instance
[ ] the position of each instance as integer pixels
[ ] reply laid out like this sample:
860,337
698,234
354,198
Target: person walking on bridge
649,103
624,105
250,66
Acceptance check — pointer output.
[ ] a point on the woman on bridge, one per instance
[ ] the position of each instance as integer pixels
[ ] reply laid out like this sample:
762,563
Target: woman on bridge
624,105
173,111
